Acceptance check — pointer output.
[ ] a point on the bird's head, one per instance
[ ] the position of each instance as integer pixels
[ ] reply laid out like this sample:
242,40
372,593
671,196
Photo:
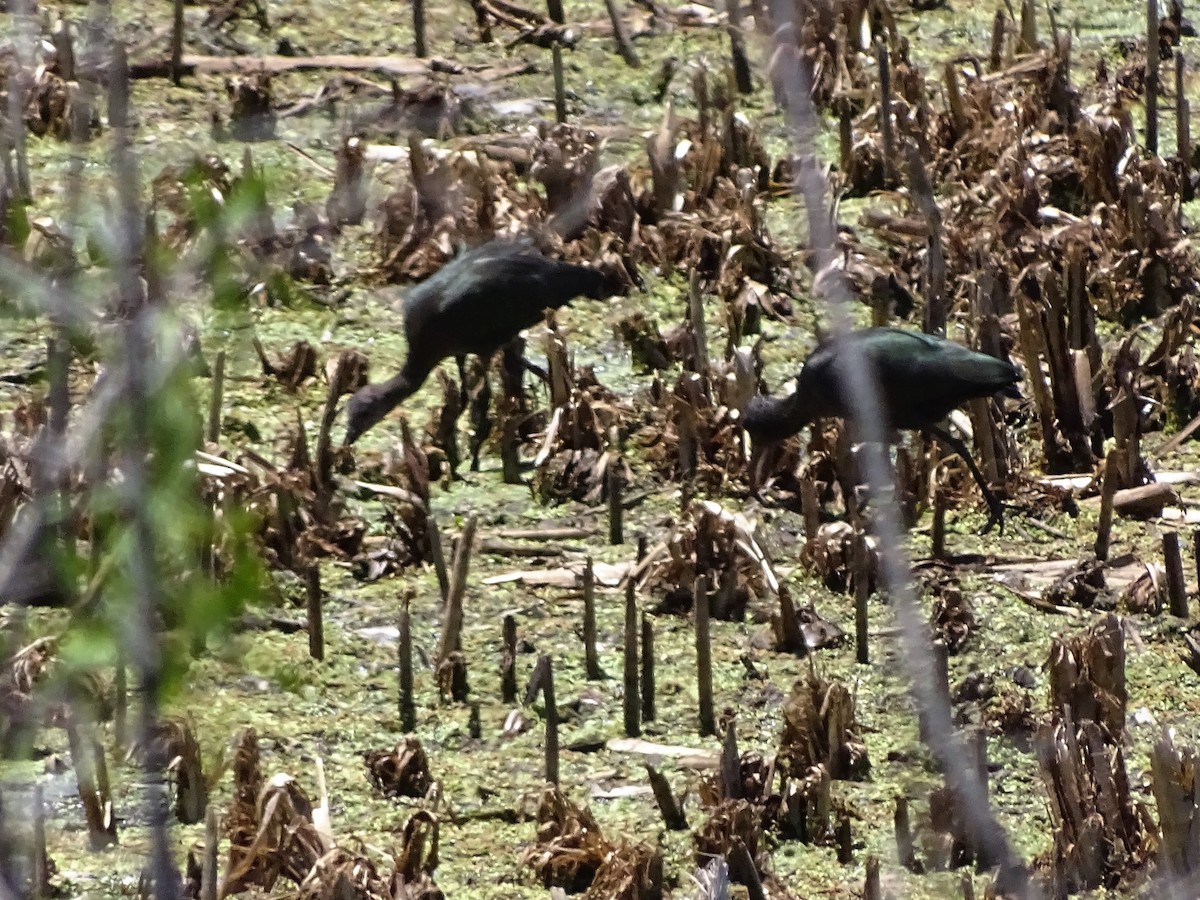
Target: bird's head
771,419
366,408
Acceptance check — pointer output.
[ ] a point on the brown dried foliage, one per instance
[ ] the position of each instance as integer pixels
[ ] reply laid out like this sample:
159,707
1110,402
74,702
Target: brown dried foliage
820,729
400,772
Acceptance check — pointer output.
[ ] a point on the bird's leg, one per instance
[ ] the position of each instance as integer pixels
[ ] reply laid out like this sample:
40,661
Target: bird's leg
481,422
995,507
757,453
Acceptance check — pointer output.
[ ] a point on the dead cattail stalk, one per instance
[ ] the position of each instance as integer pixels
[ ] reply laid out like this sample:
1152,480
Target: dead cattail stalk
39,877
1173,563
708,719
217,399
437,555
905,849
954,98
885,111
649,711
591,661
632,697
91,782
696,322
621,36
616,510
862,588
1183,127
731,764
845,841
668,805
1108,490
1152,76
941,682
177,42
937,532
208,868
1029,37
508,663
937,307
420,48
737,47
453,619
871,886
560,89
810,507
792,637
996,53
981,421
551,719
315,617
846,147
407,702
121,703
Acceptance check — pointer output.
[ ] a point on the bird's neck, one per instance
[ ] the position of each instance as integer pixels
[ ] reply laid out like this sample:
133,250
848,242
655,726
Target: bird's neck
778,418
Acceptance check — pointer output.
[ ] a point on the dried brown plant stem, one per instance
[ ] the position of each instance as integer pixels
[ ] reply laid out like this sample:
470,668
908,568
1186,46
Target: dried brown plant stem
547,665
209,877
668,805
631,701
708,719
437,555
216,399
508,663
1108,490
406,702
742,75
39,877
591,660
886,132
420,47
1152,83
616,510
452,619
621,36
649,709
1173,563
314,602
937,306
560,88
862,589
1183,126
177,42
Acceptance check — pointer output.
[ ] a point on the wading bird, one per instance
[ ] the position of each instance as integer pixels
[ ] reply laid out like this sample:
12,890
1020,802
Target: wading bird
921,378
476,303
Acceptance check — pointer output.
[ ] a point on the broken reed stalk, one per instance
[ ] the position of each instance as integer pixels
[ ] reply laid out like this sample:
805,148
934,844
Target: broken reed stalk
649,711
39,877
1029,36
315,617
437,555
731,764
121,703
1108,490
177,42
555,10
1173,563
1152,76
632,698
591,660
981,419
97,804
551,719
737,47
643,544
885,111
708,719
845,841
212,842
1183,127
941,682
862,586
420,47
905,849
699,332
616,511
937,307
742,862
937,532
789,624
453,619
1196,552
871,885
621,36
996,54
668,805
560,90
407,704
508,663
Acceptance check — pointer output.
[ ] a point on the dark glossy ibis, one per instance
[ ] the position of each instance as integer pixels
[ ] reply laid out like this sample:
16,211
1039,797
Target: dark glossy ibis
476,303
921,378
